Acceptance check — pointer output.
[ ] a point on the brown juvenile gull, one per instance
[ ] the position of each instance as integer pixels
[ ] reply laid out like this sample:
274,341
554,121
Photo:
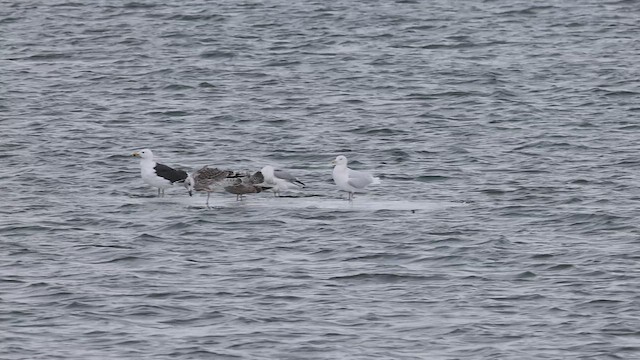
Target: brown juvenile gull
249,184
210,179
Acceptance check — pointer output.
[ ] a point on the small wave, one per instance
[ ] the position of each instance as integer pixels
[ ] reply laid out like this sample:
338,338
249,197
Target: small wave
532,10
177,87
139,5
432,178
195,352
47,56
561,267
196,17
149,237
525,297
172,113
217,54
621,93
9,20
384,278
119,259
282,63
205,84
526,275
542,256
378,131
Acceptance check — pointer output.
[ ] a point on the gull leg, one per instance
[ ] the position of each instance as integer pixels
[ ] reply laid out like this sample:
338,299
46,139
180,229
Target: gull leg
208,194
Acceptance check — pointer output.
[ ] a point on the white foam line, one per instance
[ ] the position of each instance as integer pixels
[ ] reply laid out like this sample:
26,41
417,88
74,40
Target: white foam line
361,204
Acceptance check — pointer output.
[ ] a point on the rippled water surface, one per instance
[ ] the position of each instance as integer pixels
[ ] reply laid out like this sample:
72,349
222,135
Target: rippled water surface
505,133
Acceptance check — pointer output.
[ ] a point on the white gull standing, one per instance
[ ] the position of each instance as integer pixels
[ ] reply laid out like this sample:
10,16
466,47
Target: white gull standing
349,180
280,180
158,175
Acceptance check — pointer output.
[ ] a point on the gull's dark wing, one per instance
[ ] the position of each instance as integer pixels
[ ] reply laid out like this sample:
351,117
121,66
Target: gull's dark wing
170,173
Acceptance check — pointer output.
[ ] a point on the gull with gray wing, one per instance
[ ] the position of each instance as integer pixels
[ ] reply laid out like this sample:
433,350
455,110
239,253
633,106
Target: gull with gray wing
349,180
280,180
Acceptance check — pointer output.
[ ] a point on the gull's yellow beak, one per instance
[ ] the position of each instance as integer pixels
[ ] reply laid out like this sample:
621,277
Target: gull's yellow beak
136,154
333,162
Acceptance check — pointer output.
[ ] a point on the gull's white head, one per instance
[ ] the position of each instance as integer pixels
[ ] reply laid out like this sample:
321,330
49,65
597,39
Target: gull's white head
267,171
143,154
340,160
189,184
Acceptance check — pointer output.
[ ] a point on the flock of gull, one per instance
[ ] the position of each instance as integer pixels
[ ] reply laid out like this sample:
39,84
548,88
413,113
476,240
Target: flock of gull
211,179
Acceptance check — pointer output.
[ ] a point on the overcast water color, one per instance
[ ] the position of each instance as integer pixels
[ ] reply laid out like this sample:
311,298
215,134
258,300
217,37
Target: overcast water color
505,134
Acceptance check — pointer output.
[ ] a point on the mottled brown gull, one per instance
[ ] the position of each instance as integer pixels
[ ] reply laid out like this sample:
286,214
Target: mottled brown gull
249,184
210,180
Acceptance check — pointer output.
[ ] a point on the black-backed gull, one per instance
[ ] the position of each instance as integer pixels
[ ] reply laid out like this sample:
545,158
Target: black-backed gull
158,175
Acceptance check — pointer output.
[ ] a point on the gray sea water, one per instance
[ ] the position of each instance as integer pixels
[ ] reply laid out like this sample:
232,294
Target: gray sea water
505,133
